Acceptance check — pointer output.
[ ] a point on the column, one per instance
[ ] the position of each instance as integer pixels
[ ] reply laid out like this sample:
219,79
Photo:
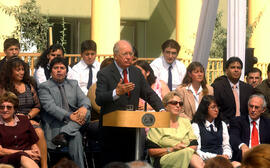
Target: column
105,24
258,17
187,19
236,30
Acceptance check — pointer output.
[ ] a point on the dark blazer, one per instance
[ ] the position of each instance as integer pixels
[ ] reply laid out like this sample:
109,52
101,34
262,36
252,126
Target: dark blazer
225,99
107,80
240,133
118,144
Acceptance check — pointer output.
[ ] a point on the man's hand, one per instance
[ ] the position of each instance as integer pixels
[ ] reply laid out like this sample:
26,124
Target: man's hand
244,149
79,115
123,88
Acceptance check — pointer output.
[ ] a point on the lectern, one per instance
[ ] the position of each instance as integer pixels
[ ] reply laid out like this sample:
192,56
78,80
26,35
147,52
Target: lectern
137,119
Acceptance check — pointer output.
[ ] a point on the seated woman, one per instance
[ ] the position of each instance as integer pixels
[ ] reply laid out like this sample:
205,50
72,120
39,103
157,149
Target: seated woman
159,86
42,73
193,88
18,138
212,133
173,147
15,78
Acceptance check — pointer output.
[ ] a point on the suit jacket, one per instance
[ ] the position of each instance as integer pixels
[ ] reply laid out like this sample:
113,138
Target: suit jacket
53,115
119,139
109,77
225,99
240,133
188,98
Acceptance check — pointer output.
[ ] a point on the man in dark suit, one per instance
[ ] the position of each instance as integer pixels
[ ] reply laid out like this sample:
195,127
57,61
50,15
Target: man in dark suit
225,86
120,85
242,128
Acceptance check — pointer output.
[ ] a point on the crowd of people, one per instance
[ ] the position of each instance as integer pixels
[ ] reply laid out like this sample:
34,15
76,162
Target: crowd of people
217,125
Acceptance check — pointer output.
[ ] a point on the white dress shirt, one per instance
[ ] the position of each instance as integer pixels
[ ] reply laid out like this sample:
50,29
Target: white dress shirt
39,74
225,144
160,68
196,95
81,74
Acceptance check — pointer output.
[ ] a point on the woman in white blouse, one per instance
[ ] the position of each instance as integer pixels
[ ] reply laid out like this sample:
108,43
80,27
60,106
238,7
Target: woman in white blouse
212,133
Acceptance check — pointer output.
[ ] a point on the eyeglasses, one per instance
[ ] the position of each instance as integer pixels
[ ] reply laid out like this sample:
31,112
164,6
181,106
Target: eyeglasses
127,53
176,102
8,107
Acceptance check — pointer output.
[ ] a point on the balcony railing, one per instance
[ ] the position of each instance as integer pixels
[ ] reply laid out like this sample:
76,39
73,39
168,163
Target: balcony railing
214,67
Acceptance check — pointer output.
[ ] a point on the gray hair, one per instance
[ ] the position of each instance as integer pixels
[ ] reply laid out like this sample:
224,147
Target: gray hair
260,96
116,46
139,164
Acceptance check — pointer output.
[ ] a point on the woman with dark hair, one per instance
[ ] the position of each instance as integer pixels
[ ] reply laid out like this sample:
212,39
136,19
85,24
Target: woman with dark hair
42,73
159,86
18,138
211,131
15,78
193,88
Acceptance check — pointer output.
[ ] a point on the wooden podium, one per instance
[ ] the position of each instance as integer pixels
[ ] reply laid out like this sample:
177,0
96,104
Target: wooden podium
137,119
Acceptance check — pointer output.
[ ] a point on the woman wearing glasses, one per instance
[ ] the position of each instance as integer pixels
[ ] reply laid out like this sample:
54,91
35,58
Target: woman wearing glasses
173,147
15,78
193,88
212,133
18,137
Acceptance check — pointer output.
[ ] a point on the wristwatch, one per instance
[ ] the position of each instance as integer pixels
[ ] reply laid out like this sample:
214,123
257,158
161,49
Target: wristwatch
168,150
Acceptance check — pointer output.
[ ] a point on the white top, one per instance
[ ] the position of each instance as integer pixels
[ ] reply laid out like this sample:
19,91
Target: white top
196,96
225,144
40,76
251,127
81,74
160,68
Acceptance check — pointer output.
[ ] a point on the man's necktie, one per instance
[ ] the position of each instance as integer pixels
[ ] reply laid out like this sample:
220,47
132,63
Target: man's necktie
254,135
170,77
64,97
236,98
125,78
90,77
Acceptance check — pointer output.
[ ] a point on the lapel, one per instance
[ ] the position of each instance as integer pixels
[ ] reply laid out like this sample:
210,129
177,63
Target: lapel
55,91
115,73
228,91
261,129
191,101
247,125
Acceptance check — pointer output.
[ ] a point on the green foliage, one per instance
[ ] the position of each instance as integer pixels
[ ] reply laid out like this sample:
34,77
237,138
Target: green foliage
219,41
63,40
32,27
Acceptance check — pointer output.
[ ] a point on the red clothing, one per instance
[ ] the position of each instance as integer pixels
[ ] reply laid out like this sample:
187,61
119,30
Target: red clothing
19,137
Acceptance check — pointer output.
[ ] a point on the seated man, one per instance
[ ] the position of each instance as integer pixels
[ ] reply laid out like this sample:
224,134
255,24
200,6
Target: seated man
66,110
251,130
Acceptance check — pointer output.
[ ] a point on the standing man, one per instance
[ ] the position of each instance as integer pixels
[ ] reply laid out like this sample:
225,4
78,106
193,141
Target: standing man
120,85
254,77
249,131
11,48
85,71
230,93
264,88
167,68
66,110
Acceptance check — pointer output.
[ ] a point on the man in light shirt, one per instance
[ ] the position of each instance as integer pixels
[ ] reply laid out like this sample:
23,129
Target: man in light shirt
251,130
167,67
86,70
